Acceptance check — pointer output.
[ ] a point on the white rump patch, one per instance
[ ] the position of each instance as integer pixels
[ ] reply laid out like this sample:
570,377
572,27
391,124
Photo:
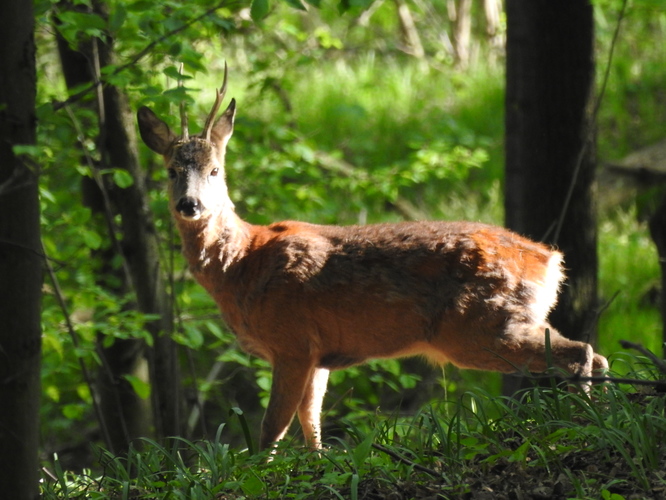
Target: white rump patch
545,291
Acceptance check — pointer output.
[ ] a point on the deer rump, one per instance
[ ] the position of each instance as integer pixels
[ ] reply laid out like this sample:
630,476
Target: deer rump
336,296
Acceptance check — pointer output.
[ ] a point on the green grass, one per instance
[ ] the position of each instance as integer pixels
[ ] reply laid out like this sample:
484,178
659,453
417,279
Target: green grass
559,443
374,109
629,275
375,113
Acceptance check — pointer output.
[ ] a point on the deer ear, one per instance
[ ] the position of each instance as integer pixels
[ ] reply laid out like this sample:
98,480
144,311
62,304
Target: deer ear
154,132
224,127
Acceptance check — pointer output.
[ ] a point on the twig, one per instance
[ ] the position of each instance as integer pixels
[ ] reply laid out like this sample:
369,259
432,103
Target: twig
137,57
660,385
405,460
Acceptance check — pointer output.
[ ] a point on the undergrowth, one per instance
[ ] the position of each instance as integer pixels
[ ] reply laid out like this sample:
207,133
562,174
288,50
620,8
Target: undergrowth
548,443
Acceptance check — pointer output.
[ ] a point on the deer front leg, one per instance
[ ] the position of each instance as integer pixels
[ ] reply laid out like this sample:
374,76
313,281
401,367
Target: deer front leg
290,379
309,411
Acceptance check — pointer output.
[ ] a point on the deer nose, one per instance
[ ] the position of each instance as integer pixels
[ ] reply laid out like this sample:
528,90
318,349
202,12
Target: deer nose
189,207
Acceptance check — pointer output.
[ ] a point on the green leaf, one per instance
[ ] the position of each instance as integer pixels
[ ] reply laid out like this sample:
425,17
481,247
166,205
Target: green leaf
117,17
91,239
258,10
253,485
362,450
122,178
296,4
172,72
26,149
141,387
73,411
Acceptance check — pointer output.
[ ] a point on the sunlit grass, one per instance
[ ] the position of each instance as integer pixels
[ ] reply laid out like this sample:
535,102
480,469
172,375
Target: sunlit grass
629,272
374,109
614,443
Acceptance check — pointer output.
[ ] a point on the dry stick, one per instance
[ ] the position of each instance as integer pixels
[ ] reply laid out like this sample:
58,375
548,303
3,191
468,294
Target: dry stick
140,55
75,341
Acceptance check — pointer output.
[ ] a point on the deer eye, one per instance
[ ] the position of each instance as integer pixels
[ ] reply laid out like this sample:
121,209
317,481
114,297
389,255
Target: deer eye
172,173
214,172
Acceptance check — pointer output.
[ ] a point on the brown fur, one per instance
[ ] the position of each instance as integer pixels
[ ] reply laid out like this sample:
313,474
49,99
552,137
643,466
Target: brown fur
312,298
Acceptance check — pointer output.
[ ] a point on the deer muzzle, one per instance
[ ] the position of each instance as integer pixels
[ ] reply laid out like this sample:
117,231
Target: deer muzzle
189,208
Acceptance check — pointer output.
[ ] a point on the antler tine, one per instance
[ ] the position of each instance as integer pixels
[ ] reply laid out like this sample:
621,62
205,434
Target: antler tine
219,95
183,111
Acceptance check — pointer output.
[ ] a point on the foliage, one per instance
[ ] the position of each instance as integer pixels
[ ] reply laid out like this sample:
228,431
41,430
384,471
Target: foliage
335,125
548,444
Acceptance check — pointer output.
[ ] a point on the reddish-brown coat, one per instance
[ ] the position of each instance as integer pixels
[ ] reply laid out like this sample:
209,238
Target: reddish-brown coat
311,298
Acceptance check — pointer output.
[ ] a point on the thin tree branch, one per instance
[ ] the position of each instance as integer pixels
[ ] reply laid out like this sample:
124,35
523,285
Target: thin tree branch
75,341
137,57
108,212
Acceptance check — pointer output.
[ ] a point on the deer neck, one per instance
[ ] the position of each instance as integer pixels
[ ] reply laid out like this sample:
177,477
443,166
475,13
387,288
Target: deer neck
218,240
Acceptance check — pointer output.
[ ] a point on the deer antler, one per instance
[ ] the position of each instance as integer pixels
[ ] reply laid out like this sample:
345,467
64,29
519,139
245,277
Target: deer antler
219,95
183,112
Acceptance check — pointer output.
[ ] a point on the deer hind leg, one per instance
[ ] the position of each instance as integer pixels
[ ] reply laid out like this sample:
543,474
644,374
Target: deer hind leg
309,411
520,346
599,364
291,377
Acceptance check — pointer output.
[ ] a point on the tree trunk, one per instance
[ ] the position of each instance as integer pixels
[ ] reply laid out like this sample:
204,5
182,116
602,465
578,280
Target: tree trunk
126,415
493,16
411,39
141,249
20,258
460,13
550,148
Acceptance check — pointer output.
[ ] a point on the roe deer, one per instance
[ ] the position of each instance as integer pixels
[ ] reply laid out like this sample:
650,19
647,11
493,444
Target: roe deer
311,298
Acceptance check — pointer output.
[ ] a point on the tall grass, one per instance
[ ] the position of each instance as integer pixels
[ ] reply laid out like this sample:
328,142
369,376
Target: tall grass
559,444
374,109
628,281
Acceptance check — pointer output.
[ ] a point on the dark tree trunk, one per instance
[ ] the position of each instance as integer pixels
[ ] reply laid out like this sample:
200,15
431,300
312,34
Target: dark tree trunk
141,249
550,146
126,415
20,258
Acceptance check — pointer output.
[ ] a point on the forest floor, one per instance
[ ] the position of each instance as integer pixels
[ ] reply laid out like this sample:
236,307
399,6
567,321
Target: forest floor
578,473
513,481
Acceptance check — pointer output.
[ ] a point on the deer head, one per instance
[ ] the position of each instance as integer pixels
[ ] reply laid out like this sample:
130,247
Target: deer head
197,185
